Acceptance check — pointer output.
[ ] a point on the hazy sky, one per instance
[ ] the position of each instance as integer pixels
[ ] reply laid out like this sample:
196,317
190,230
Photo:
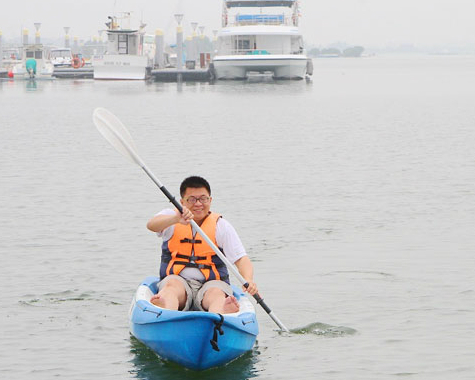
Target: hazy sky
365,22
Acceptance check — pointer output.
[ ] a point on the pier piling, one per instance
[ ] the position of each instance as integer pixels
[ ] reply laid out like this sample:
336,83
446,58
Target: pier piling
1,50
37,34
25,36
159,49
66,37
179,48
179,42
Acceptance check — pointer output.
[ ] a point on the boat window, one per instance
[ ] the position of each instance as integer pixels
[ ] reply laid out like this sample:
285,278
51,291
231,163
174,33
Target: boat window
149,39
242,44
60,53
123,48
38,54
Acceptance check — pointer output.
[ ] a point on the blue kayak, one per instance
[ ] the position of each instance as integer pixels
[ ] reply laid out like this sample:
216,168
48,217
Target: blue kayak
195,339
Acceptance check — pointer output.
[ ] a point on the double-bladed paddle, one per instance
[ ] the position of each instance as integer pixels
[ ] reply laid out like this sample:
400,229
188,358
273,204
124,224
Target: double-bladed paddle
119,137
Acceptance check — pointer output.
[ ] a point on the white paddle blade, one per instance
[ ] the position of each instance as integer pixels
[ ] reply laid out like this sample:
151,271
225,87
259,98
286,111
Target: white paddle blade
115,132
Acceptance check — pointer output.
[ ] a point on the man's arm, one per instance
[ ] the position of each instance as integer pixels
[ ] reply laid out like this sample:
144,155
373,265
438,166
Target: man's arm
159,222
246,269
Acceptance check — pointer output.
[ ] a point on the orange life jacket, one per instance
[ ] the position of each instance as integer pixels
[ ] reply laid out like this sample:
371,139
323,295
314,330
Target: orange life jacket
185,250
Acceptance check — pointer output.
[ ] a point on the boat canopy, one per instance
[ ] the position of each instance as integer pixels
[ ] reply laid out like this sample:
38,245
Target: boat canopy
259,3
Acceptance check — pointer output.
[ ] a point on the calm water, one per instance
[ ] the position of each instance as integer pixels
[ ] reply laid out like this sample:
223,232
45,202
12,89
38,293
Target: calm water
354,195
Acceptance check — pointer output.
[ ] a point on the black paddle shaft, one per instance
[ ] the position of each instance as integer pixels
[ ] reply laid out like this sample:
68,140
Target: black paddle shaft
172,199
260,301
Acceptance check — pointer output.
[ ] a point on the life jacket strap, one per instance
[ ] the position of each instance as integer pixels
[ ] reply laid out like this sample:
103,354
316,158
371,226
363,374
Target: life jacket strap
191,241
193,265
200,266
178,256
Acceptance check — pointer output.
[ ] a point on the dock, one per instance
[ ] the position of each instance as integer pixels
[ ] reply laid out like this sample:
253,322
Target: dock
185,75
70,72
158,75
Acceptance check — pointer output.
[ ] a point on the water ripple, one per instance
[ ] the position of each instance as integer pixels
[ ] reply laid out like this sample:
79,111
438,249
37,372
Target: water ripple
63,297
323,329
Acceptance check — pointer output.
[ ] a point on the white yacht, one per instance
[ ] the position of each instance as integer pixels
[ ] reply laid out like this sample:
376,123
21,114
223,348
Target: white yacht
126,57
267,41
61,57
34,64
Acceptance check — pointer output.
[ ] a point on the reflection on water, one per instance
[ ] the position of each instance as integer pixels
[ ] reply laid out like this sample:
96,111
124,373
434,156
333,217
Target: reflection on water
31,85
148,366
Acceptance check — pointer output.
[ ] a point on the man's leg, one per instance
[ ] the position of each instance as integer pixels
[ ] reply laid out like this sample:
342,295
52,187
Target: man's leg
172,294
216,297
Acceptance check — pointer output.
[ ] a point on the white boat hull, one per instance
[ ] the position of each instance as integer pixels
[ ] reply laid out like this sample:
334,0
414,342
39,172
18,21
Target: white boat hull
282,66
45,72
131,67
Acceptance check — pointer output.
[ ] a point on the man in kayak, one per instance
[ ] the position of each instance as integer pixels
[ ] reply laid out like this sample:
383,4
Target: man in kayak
191,274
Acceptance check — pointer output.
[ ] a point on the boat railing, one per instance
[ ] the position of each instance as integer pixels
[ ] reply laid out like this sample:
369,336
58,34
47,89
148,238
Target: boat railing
260,19
261,52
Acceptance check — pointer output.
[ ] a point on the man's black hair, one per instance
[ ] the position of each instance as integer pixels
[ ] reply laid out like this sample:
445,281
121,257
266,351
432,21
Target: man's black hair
194,182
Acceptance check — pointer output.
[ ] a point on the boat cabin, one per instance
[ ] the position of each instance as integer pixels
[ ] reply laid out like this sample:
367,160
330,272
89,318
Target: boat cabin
34,51
252,40
124,42
272,12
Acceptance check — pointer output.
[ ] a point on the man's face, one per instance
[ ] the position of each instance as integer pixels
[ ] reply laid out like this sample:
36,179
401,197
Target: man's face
198,201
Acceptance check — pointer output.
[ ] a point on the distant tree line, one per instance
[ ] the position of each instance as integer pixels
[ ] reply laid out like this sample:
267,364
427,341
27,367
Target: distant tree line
354,51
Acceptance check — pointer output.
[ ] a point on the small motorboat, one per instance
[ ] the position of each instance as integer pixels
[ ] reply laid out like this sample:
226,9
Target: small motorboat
195,339
33,65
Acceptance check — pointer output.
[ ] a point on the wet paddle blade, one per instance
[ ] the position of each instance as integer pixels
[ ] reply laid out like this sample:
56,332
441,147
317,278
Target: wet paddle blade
115,132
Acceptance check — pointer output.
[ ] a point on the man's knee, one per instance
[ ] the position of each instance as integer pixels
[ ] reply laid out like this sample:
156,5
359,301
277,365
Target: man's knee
214,293
173,285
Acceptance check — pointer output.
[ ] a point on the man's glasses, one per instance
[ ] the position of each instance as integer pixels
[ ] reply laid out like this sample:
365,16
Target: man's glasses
203,199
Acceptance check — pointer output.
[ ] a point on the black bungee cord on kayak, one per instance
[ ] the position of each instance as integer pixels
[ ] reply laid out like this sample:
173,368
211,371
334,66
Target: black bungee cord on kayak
217,328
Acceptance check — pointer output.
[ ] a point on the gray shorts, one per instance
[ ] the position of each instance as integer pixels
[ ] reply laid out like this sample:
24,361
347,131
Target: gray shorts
196,290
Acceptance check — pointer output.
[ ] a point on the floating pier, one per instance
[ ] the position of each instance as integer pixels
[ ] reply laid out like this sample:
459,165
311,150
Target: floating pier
70,72
184,75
